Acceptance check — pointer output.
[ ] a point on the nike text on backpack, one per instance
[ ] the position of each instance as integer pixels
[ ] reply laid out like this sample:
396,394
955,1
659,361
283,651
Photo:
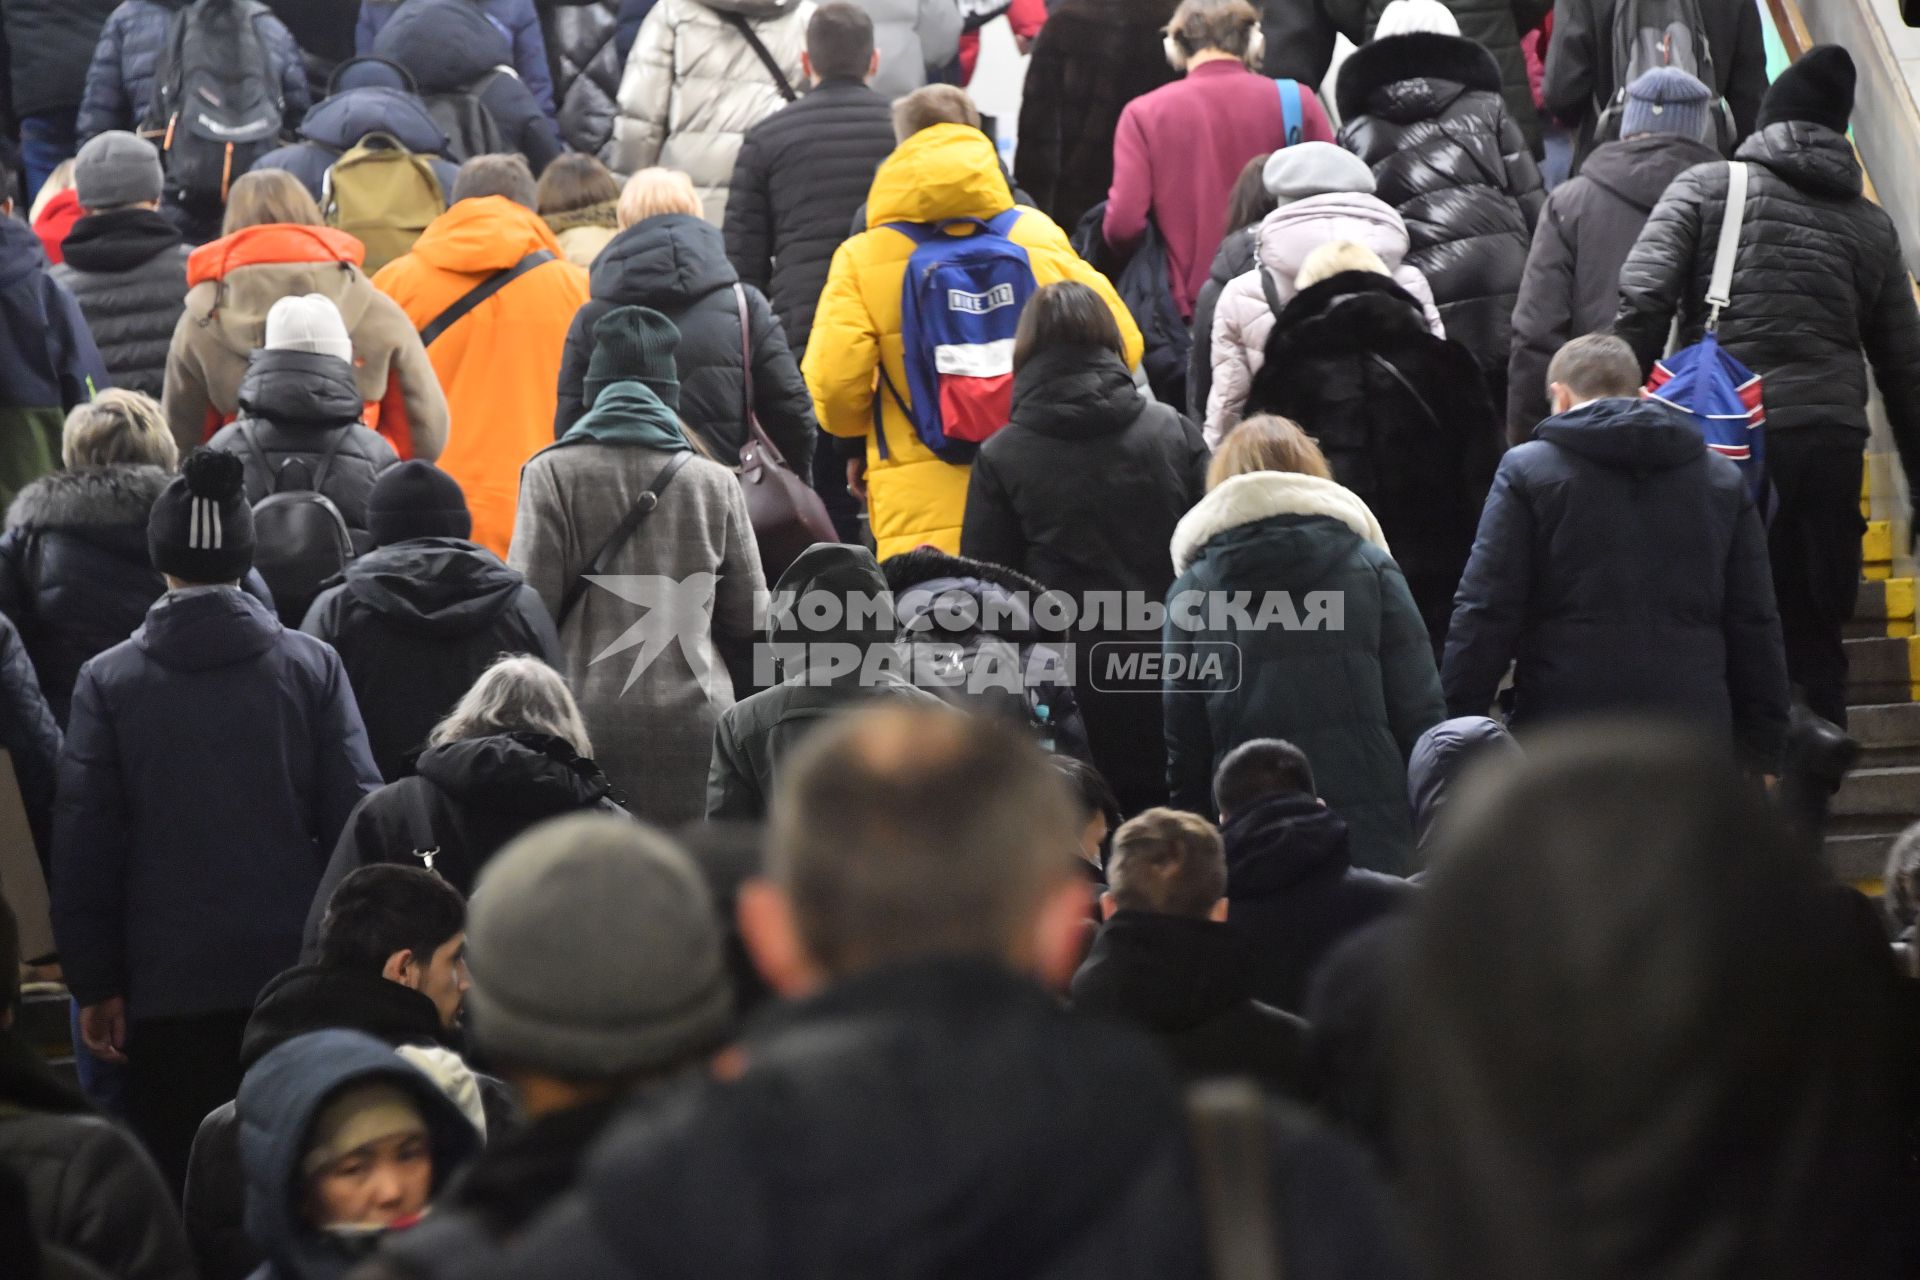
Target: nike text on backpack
960,304
216,100
1660,33
1721,395
300,538
384,195
470,125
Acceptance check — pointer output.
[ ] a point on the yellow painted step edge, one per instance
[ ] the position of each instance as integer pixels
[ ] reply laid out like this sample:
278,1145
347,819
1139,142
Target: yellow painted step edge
1877,545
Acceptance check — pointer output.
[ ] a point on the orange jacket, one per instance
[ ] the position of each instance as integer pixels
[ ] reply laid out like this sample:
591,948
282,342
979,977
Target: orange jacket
500,364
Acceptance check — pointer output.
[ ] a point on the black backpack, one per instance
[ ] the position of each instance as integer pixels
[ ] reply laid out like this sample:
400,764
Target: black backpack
300,539
1661,33
470,125
217,105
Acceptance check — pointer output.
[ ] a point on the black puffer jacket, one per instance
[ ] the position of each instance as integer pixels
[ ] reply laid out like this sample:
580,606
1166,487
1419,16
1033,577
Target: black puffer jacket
677,264
1495,25
1420,452
127,268
49,44
1234,259
74,573
1819,280
583,45
294,405
1425,111
415,623
802,172
1572,284
29,736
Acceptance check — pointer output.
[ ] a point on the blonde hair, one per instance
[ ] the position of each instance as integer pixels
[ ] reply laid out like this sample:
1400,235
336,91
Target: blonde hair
61,179
268,196
1335,257
516,693
117,426
1266,442
930,105
652,192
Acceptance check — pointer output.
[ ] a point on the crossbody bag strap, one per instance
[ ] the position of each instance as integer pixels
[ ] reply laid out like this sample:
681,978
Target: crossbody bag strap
1270,289
636,514
761,51
1720,286
480,293
1406,385
755,432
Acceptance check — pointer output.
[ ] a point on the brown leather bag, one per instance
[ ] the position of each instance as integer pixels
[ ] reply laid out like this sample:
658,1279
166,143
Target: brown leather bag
788,516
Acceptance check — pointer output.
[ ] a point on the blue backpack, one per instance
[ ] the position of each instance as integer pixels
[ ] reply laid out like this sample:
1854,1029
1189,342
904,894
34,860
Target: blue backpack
960,303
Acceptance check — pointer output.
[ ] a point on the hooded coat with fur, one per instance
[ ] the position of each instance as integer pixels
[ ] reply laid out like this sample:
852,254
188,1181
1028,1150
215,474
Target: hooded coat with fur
1348,677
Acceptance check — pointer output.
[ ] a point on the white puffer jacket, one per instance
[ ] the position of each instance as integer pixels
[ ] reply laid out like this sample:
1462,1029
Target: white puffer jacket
693,86
1289,234
911,36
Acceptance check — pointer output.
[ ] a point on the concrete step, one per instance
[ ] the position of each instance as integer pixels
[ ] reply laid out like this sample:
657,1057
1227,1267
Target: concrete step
1859,859
1892,792
1883,669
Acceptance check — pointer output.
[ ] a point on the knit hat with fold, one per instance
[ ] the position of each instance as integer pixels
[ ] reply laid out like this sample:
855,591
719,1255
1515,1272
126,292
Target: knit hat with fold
634,344
1818,89
1666,100
201,528
1314,169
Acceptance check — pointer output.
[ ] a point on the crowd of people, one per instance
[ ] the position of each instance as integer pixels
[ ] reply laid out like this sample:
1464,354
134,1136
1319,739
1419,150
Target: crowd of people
630,651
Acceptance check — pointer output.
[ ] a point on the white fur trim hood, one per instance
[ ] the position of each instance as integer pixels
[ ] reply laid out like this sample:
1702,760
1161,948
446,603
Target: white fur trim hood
1261,495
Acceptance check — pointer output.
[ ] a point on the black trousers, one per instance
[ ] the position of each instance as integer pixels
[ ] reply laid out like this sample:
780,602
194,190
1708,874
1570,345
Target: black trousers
1814,544
178,1069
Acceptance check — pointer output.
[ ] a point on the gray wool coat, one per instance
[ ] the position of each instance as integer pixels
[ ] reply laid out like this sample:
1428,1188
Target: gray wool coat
639,649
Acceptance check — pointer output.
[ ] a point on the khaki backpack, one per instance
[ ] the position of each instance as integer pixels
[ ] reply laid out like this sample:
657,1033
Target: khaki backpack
384,194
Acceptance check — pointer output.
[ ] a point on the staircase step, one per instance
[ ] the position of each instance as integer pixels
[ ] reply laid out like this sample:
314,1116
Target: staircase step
1883,669
1876,546
1889,599
1892,791
1895,724
1859,859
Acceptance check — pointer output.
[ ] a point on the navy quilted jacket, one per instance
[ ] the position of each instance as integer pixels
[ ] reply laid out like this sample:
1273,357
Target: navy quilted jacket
120,81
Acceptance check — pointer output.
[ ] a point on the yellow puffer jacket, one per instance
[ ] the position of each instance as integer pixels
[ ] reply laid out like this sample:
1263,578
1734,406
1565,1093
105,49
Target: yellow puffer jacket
948,171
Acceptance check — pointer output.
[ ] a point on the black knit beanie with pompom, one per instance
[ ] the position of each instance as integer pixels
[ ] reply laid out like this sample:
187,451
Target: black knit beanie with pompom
201,528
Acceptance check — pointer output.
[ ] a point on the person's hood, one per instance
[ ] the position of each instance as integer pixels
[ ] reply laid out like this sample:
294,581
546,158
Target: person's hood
530,775
1261,496
1440,758
752,8
1293,231
1235,256
948,171
919,578
281,1096
92,499
206,630
272,244
1075,393
445,588
1354,309
1811,157
343,120
300,389
317,997
1168,973
444,45
1279,842
118,240
603,215
1413,77
21,253
1638,170
1637,436
663,262
846,572
486,233
294,260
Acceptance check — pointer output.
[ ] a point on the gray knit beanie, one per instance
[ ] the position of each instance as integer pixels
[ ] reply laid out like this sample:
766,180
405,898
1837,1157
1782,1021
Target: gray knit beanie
1667,100
1314,169
595,951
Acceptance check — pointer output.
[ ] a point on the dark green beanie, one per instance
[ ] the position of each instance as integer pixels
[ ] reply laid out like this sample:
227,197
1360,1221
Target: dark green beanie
634,344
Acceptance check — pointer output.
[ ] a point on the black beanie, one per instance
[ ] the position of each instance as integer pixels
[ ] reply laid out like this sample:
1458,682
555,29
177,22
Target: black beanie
417,500
201,528
1818,89
634,344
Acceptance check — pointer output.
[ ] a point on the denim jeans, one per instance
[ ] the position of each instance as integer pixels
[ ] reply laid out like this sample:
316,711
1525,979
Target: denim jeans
46,138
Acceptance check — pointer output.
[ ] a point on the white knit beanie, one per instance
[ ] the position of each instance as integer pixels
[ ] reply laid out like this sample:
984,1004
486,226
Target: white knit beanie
1404,17
308,322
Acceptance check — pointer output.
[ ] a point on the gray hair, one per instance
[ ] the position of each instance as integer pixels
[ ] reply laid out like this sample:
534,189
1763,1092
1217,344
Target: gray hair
1902,878
117,426
516,693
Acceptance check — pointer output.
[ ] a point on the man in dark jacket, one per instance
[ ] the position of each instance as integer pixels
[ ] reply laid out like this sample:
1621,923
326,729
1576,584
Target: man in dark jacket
1167,961
919,905
453,51
804,169
90,1189
1622,563
366,95
1572,281
48,362
419,617
1581,81
824,670
125,263
48,45
1293,885
210,762
1820,279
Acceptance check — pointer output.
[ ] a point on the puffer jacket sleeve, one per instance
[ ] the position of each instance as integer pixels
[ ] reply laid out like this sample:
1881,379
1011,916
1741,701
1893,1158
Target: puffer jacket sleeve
30,736
1524,183
990,530
104,102
1232,370
1756,653
1542,324
1661,264
530,53
1414,281
16,592
938,27
1567,83
780,397
733,789
646,93
570,402
1890,332
1071,266
1747,79
295,93
1491,604
114,1209
843,351
749,223
1408,679
91,839
344,771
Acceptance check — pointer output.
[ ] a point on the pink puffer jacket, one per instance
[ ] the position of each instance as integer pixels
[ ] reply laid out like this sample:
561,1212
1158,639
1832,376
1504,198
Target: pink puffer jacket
1243,319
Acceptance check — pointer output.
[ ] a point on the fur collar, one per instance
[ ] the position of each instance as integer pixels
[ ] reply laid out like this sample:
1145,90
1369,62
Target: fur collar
1419,55
116,495
1261,495
924,564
